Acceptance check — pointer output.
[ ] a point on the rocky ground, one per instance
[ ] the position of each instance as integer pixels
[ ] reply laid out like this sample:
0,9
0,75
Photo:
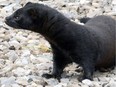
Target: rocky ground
25,55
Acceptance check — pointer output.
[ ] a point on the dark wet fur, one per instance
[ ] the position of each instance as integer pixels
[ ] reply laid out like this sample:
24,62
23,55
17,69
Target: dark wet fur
92,46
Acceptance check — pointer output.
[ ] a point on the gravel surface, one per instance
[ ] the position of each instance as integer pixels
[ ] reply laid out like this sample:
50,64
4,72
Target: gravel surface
25,55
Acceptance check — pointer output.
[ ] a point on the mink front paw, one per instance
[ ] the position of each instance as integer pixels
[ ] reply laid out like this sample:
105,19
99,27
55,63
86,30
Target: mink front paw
48,76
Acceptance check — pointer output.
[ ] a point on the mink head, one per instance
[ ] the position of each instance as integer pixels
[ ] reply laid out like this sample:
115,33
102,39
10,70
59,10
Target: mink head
30,17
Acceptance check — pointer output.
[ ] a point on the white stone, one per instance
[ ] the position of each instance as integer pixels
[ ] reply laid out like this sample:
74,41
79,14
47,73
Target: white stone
22,81
52,82
4,2
96,84
39,60
84,1
9,7
112,83
65,80
114,9
15,43
25,53
20,71
25,60
2,47
12,55
10,80
88,82
21,38
19,62
35,42
6,85
59,85
114,2
97,5
95,12
110,14
43,66
15,85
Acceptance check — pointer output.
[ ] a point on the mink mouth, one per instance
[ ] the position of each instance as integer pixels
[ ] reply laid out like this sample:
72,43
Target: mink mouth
12,24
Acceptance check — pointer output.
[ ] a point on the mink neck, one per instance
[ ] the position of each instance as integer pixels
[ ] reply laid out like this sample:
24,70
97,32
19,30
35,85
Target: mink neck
52,25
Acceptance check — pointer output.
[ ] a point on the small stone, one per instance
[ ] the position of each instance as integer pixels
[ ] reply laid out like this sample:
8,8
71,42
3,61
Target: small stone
15,43
97,5
12,48
114,2
2,35
96,84
88,82
59,85
10,80
84,1
9,8
65,80
112,83
25,53
22,80
6,85
21,71
52,82
39,59
12,55
95,12
15,85
25,61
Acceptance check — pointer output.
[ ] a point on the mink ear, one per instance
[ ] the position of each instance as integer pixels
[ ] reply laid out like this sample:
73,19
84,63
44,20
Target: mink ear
28,3
33,13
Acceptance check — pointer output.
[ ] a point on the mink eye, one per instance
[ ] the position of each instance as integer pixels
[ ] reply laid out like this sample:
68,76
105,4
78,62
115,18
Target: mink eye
16,17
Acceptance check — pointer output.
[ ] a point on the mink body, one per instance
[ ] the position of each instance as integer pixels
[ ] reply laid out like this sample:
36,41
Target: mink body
92,45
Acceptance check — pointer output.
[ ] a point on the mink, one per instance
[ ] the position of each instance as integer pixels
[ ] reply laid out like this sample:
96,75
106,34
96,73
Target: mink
91,45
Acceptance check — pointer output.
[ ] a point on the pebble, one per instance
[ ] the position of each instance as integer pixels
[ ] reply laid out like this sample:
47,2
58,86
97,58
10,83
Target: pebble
22,81
87,82
114,2
52,82
8,81
14,43
112,83
21,71
15,85
12,55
